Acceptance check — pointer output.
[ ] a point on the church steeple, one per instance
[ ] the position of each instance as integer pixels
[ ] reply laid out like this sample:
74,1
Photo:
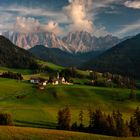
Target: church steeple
58,77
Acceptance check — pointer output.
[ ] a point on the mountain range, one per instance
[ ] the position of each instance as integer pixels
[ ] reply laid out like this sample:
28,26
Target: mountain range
124,58
77,42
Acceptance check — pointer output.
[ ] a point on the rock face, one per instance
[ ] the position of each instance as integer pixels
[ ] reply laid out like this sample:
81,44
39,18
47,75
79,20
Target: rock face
29,40
73,42
84,42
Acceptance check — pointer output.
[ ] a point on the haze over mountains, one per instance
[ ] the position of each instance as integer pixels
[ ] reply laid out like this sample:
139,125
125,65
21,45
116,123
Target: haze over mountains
76,42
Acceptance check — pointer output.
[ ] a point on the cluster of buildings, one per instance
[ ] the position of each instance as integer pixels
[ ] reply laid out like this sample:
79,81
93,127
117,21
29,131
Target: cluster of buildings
41,82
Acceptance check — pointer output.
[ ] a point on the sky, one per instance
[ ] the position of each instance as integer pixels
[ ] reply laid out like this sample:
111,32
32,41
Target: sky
98,17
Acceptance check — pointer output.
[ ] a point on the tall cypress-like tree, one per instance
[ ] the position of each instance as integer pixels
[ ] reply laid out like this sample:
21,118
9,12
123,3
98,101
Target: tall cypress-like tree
112,125
81,117
64,118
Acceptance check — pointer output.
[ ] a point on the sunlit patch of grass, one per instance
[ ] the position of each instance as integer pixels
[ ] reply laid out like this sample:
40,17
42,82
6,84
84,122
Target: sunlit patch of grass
20,133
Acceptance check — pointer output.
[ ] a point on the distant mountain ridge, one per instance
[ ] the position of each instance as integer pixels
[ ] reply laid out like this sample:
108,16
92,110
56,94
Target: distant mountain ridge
85,42
15,57
124,58
59,57
77,42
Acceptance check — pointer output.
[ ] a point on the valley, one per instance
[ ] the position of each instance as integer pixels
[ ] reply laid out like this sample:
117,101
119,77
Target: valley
69,70
32,107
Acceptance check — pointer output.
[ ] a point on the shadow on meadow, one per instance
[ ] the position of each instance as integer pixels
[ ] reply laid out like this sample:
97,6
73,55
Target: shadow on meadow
39,124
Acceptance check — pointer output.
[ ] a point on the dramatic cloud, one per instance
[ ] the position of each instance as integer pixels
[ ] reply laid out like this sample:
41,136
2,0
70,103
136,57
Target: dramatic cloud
28,25
81,17
98,17
133,4
77,14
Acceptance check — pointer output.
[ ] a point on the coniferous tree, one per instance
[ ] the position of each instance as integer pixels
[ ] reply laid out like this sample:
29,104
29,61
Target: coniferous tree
112,125
74,126
64,118
90,114
81,116
135,123
126,130
120,125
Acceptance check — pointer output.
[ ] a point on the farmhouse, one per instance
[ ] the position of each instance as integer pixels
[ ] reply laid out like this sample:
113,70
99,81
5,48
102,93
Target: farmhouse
55,82
39,81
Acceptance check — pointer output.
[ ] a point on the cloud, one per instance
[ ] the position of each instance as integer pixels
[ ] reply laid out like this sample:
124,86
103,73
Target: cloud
29,25
53,27
135,4
76,16
128,28
77,13
80,14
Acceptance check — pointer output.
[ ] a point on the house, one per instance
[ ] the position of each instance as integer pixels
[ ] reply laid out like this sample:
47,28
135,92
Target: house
39,81
109,80
62,80
58,80
34,80
55,82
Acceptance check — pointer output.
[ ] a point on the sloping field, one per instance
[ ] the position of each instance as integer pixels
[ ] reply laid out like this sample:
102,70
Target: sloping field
19,133
32,107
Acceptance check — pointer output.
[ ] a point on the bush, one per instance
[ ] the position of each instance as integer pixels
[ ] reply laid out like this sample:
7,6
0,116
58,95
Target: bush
6,119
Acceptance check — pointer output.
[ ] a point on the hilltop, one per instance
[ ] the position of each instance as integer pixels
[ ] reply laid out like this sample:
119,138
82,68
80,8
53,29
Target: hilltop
15,57
124,59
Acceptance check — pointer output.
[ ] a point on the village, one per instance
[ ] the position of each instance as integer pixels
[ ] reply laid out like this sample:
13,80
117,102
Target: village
71,77
42,82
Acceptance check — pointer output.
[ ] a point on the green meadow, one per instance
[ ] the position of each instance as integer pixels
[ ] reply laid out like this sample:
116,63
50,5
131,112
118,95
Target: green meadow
34,111
38,108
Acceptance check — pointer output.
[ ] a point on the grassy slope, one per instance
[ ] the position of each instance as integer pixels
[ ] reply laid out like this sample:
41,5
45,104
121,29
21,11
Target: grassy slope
23,71
39,108
50,65
28,71
14,133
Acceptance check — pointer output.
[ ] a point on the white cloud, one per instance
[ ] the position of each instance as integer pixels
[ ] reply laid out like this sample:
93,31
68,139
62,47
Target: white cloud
133,4
77,14
28,25
81,14
53,27
128,28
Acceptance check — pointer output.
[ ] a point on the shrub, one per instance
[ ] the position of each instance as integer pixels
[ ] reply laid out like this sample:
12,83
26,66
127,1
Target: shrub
6,119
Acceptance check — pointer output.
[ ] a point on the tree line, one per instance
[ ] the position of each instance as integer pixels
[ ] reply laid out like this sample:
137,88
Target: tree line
11,75
101,123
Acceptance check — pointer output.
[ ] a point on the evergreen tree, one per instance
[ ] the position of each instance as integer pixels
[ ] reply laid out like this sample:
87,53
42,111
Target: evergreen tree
90,114
135,123
126,130
81,116
64,118
74,126
112,125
